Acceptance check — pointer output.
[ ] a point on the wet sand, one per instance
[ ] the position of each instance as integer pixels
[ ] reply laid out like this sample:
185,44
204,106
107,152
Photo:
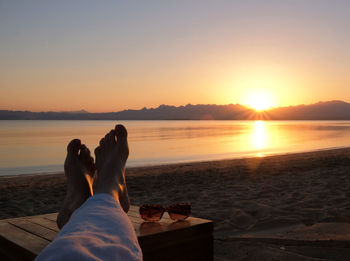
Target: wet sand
238,195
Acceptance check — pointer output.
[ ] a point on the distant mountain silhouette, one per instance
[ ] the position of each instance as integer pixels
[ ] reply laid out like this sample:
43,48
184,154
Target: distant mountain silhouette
331,110
80,111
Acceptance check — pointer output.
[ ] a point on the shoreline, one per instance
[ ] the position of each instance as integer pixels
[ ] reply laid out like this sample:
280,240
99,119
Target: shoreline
239,195
337,150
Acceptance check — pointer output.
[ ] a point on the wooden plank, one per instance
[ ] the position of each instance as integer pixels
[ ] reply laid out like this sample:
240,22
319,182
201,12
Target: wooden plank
35,229
51,216
21,244
140,221
134,214
150,228
134,208
165,240
136,220
44,222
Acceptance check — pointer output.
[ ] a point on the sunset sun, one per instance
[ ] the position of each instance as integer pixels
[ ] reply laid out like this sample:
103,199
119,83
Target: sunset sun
259,100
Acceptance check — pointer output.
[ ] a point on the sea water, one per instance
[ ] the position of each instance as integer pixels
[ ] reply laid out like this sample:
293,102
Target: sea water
40,146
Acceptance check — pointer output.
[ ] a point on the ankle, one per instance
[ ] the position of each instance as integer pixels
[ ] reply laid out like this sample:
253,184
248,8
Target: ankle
110,191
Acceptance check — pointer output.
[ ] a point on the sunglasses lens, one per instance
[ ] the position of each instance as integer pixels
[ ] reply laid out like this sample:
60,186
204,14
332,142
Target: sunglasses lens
151,212
179,211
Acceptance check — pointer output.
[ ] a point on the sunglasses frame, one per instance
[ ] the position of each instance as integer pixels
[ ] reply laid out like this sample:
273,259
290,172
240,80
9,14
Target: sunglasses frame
167,209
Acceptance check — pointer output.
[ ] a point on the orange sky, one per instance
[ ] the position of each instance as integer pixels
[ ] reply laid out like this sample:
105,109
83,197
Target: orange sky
81,55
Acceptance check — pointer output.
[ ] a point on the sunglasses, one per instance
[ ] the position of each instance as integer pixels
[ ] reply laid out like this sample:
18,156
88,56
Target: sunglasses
152,212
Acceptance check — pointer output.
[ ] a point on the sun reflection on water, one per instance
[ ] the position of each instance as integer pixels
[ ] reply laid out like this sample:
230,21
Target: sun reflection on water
259,136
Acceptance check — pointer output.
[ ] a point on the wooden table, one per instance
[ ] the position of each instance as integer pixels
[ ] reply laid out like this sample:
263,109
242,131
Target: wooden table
23,238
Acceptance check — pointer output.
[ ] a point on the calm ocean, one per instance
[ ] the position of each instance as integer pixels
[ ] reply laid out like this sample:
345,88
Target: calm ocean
40,146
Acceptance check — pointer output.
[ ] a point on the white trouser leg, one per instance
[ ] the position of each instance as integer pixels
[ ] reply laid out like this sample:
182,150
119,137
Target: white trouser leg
98,230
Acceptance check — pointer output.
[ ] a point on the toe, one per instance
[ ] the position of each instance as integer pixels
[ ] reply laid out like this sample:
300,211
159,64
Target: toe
91,163
122,141
121,132
73,147
84,149
86,159
102,141
97,152
98,155
84,153
110,137
107,138
91,167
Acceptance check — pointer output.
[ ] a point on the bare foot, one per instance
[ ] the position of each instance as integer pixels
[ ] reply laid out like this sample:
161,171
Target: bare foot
79,169
111,158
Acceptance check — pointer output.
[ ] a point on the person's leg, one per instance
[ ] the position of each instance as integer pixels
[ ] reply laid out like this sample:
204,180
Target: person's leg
111,158
100,228
79,169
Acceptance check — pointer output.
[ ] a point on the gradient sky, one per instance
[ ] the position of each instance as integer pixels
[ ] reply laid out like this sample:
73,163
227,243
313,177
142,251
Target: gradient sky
113,55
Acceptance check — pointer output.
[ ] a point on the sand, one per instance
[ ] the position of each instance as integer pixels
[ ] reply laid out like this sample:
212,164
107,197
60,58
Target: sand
238,195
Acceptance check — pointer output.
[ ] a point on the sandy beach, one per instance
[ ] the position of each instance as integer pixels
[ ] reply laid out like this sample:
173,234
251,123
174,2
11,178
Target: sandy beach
238,195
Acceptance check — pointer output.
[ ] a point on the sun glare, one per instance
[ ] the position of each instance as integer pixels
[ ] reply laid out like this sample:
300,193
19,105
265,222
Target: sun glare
260,137
259,100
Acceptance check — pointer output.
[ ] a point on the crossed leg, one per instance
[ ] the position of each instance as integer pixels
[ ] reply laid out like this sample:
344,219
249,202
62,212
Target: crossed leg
95,227
79,169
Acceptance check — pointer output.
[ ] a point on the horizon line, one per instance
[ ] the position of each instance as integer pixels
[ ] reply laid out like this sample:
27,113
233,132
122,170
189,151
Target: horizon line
189,104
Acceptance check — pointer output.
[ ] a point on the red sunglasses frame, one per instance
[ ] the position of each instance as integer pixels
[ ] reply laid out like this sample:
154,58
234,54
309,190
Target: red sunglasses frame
155,212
